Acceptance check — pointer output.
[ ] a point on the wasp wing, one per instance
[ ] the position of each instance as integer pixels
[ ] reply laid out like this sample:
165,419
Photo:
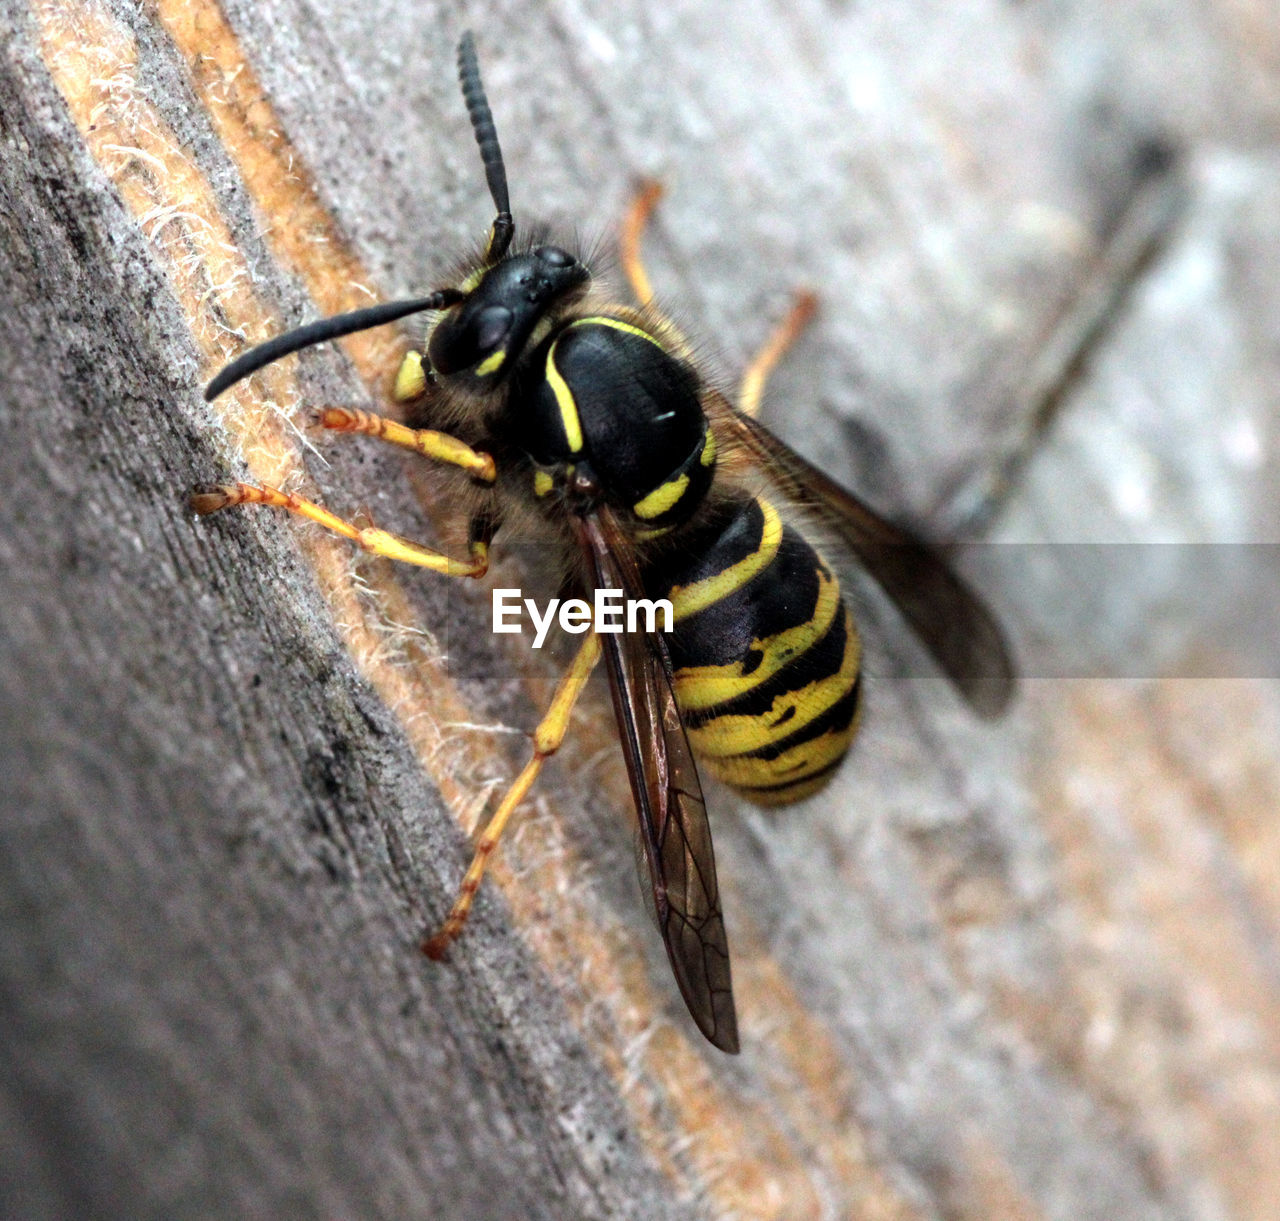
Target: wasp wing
949,618
672,815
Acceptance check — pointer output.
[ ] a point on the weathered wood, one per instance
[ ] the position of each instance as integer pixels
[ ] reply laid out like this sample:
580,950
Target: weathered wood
993,972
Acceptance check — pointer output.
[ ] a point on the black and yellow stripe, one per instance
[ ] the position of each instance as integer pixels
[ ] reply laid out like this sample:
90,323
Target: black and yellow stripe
611,395
766,656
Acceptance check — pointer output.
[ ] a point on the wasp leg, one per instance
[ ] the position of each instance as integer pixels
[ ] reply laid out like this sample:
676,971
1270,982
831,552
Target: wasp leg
377,542
648,192
546,741
439,446
804,304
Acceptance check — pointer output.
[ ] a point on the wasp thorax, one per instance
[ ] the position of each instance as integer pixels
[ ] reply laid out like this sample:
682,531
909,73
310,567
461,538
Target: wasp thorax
486,332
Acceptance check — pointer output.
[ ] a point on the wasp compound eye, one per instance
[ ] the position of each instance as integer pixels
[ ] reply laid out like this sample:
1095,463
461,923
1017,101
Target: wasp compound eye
487,334
490,327
465,342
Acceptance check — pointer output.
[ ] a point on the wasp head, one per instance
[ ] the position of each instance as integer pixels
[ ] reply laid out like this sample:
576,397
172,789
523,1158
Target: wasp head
484,335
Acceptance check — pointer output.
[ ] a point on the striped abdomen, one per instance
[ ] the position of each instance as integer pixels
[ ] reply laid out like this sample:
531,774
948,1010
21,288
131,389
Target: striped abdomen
766,657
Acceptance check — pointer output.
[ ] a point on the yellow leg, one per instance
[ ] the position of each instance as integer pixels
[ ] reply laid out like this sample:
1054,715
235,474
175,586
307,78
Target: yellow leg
546,741
378,542
648,192
804,305
439,446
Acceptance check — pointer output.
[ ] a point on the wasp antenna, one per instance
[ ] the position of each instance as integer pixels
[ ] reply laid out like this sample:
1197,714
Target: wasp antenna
326,328
495,171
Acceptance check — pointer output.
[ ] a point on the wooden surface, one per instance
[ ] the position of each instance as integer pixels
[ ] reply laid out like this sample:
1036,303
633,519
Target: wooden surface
1014,971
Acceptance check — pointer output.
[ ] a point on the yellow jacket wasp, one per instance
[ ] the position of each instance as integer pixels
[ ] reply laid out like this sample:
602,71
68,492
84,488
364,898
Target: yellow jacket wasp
594,413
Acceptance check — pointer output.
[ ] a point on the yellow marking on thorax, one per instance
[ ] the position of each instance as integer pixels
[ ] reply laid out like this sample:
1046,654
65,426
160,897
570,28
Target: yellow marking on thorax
564,400
661,499
618,325
708,448
542,483
687,600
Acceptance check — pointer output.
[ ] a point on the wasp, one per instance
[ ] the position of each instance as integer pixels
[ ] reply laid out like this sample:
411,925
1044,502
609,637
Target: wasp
554,398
